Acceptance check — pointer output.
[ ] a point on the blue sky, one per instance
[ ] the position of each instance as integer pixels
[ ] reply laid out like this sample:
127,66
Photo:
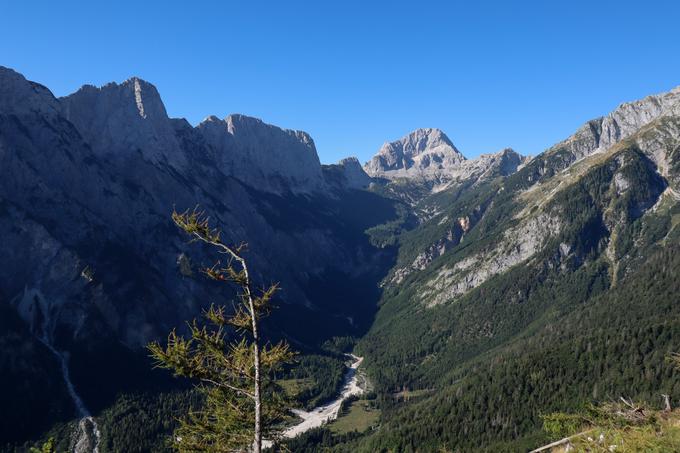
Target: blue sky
491,74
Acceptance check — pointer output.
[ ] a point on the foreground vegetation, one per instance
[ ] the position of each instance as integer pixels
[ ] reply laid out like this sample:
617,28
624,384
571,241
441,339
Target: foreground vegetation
620,426
241,404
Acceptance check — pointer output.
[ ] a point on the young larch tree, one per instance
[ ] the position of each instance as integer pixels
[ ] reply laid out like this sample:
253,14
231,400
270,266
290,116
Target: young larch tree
242,402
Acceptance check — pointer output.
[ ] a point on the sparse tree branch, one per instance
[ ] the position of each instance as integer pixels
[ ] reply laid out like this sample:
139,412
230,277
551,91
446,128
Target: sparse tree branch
238,390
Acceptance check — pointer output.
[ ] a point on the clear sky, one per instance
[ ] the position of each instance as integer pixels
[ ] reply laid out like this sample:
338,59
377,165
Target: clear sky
355,74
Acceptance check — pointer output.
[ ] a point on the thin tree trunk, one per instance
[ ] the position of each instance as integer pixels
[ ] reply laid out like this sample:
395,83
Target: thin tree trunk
257,447
257,441
257,397
667,402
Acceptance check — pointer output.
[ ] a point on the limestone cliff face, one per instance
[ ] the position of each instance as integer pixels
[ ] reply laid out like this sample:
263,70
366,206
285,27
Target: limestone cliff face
117,120
262,155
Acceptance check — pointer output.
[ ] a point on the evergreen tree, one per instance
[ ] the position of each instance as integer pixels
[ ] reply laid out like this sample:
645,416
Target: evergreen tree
242,403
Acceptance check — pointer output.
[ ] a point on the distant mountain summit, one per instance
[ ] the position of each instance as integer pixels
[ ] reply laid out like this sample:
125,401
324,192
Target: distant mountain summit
422,152
428,156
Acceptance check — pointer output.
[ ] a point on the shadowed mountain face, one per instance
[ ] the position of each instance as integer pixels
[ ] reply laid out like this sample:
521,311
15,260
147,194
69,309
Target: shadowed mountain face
446,266
90,180
92,262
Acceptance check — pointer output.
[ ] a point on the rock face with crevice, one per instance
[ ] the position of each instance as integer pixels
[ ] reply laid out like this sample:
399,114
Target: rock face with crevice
117,120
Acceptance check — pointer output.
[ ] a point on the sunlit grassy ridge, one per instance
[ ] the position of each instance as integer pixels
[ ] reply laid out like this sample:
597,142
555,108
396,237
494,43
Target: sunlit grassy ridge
615,427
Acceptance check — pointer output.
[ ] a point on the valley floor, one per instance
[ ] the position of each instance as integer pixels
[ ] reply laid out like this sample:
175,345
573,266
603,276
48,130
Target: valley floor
328,412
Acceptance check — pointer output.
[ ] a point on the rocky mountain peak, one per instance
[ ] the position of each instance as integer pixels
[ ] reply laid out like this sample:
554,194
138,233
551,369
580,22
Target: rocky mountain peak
118,119
502,163
422,139
422,152
347,173
509,160
216,133
134,96
349,162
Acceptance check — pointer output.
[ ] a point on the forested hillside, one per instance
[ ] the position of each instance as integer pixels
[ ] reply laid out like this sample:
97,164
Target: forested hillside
539,292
